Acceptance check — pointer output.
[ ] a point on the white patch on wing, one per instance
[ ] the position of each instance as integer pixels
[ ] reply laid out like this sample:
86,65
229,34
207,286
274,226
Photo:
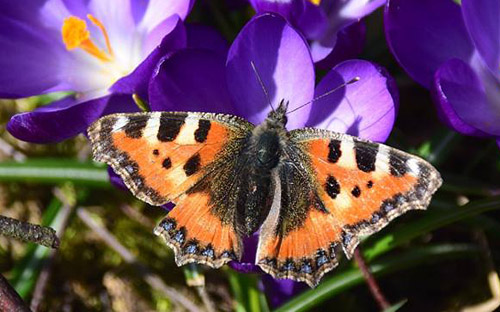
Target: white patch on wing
121,122
186,135
342,201
382,162
152,128
412,164
348,158
177,175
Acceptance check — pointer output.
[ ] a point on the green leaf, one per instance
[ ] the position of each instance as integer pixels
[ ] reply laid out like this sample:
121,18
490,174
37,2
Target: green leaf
248,296
54,171
397,306
352,277
430,221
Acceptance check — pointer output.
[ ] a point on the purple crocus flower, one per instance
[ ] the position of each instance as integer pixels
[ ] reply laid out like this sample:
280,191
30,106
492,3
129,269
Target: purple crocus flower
196,80
454,50
101,51
333,27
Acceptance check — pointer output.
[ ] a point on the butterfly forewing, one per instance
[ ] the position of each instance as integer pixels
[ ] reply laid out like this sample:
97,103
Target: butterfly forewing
173,157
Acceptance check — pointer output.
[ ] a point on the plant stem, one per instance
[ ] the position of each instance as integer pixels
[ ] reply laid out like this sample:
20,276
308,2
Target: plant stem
29,232
370,280
10,299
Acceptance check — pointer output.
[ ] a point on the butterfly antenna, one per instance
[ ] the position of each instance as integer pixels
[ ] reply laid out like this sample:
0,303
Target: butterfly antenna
261,84
353,80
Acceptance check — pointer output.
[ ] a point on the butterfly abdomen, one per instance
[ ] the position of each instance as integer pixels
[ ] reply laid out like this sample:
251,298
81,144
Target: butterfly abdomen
261,155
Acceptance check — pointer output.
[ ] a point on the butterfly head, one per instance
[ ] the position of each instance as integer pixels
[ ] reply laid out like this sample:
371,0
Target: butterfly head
277,117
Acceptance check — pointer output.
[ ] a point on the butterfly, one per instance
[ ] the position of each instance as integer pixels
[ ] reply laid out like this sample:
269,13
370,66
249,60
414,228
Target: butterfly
309,192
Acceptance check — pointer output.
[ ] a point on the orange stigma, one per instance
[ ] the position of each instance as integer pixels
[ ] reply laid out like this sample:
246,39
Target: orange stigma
75,35
315,2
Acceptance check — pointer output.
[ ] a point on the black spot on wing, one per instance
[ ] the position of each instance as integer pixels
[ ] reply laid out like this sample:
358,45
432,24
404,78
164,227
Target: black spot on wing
356,191
192,165
334,151
332,187
397,164
167,163
366,155
170,126
369,184
156,152
133,128
200,135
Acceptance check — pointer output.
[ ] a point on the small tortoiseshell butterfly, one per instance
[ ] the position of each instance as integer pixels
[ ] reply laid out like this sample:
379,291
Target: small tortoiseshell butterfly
309,191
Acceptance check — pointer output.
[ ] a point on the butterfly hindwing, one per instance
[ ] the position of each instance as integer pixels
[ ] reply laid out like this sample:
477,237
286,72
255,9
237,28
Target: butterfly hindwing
355,188
298,239
173,157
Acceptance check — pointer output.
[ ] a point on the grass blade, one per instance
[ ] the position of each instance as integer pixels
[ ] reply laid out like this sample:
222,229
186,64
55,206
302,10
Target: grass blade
431,221
54,171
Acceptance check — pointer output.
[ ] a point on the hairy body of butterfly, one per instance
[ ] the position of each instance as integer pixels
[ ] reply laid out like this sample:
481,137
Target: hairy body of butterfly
310,192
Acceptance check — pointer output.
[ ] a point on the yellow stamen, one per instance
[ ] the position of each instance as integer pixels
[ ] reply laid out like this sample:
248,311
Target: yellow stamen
316,2
99,24
75,35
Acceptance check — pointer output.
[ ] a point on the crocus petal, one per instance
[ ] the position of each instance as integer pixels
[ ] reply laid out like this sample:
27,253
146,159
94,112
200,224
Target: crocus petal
308,18
422,34
191,80
278,291
285,8
77,7
65,118
366,108
205,37
462,100
138,80
312,21
350,43
247,263
30,62
356,9
341,15
171,27
157,10
483,24
282,60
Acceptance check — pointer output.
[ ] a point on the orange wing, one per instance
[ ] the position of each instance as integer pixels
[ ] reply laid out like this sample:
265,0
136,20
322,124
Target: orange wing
354,188
166,157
